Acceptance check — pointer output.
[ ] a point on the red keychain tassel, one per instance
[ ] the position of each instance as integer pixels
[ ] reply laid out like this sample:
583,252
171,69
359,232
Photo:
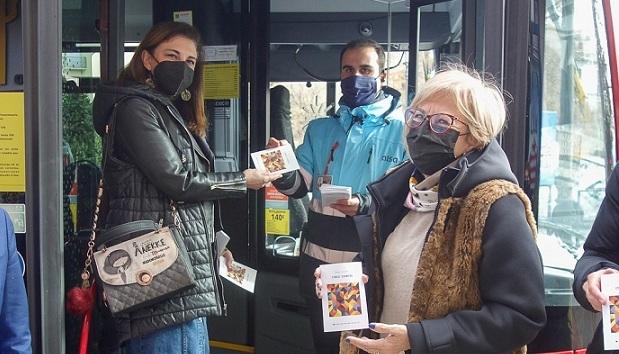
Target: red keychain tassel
80,301
85,333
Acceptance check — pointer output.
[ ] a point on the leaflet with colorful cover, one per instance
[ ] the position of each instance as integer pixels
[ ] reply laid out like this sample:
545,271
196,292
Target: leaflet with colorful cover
240,274
275,160
344,305
610,312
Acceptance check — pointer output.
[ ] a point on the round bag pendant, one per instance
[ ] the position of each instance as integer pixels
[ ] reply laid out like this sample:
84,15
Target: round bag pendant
185,95
144,277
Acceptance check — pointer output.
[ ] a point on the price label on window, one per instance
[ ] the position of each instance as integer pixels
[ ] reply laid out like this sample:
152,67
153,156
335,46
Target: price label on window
277,221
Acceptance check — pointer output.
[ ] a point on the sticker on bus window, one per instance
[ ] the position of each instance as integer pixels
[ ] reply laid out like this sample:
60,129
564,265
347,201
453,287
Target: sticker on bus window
277,221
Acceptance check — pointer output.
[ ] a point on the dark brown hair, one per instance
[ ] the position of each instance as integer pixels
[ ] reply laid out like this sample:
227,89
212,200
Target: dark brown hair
192,110
366,43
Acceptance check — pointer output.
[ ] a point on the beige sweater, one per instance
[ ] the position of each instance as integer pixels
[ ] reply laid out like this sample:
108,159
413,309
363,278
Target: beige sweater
399,263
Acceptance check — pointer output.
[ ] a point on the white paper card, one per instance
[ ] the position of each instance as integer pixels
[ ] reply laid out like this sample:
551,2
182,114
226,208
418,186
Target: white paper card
183,16
330,193
219,53
610,312
241,275
276,160
344,305
221,241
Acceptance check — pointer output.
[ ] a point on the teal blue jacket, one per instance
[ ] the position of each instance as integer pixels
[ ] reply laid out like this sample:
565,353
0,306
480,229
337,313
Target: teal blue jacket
355,146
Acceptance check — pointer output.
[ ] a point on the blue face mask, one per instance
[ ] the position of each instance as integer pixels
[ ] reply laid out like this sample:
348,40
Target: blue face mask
358,90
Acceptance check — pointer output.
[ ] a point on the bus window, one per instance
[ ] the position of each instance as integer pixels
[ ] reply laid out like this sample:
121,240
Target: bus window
293,106
305,81
446,44
577,130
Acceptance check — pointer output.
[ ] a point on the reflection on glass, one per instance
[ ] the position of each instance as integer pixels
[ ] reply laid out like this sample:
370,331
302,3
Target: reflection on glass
577,145
438,46
293,106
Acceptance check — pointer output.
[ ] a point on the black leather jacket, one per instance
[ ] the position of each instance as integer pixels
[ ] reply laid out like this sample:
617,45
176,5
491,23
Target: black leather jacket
153,159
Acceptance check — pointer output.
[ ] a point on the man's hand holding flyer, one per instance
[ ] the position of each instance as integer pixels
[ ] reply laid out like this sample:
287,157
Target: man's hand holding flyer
330,193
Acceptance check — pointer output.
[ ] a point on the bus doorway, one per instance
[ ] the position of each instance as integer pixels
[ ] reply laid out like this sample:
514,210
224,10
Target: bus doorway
284,57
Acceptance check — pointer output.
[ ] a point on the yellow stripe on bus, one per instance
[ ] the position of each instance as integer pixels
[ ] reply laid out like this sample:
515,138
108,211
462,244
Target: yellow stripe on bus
231,346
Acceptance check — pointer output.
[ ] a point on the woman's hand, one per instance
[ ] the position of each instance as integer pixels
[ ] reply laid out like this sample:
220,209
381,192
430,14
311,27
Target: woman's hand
256,179
395,341
228,259
318,282
592,288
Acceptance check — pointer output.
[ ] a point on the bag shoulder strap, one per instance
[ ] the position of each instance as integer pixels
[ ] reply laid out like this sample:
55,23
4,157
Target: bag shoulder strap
108,150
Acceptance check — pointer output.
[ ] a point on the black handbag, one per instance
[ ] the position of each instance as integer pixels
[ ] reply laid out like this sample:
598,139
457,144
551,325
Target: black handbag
138,263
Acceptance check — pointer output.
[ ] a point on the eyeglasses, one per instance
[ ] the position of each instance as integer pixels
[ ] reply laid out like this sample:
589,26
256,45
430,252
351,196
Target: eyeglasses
439,122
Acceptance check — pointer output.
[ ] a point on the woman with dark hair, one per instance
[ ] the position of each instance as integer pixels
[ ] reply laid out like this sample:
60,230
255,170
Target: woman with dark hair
154,125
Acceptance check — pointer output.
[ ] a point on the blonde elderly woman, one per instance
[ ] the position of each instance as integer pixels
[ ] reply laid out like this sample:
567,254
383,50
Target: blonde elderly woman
454,268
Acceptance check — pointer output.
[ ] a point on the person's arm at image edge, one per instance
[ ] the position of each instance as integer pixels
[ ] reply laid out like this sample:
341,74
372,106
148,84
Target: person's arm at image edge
601,249
14,324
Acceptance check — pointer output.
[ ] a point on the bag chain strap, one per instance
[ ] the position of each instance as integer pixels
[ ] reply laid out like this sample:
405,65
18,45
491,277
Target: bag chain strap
86,273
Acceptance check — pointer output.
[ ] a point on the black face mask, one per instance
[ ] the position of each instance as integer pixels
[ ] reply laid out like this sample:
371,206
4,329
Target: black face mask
430,151
172,77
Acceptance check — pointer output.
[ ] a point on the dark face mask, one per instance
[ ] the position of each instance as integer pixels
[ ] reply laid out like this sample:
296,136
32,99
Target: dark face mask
172,77
358,90
430,151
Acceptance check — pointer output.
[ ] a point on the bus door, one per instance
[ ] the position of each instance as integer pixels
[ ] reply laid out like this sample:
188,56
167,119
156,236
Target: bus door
573,151
304,44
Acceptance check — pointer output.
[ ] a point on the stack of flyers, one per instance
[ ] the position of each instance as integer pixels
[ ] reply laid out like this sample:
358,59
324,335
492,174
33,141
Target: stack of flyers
330,193
240,275
276,160
610,312
344,305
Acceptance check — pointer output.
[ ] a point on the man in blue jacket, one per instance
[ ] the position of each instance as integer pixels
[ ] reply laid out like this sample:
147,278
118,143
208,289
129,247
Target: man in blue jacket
14,330
352,148
601,257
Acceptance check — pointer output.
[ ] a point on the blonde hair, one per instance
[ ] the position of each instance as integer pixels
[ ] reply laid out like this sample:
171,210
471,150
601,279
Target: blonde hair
477,97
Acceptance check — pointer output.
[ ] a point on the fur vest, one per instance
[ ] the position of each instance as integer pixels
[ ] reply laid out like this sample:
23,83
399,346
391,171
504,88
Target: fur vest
447,275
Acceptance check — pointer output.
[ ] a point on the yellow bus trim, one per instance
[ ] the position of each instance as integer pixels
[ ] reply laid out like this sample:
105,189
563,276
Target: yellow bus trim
231,346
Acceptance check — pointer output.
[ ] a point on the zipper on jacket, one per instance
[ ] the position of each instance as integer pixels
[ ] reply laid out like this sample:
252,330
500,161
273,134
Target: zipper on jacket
222,307
193,163
225,185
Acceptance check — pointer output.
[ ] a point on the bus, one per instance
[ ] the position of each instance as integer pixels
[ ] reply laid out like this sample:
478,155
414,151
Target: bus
274,67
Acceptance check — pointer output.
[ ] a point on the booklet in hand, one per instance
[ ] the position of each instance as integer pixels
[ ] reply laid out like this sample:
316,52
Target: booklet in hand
221,241
330,193
240,275
276,160
610,312
344,305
